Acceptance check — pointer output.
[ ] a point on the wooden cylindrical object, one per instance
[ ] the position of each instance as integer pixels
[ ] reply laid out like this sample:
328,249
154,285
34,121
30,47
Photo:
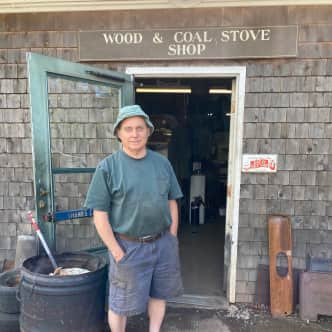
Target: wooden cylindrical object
281,287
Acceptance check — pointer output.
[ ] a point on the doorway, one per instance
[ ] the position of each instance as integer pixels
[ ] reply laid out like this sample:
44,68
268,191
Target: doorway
192,122
237,74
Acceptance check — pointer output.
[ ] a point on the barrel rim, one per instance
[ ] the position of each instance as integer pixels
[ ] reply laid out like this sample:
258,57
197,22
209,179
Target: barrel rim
26,272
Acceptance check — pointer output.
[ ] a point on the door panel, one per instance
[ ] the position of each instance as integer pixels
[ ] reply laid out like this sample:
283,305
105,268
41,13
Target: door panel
73,108
81,118
72,231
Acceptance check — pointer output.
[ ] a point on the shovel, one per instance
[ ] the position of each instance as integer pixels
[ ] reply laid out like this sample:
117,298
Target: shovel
35,226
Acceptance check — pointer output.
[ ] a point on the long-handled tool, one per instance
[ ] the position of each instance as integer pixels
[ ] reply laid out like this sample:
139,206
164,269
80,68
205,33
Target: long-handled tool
42,240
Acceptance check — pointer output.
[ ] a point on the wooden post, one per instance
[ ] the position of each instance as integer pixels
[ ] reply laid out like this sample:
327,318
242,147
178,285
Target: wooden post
281,287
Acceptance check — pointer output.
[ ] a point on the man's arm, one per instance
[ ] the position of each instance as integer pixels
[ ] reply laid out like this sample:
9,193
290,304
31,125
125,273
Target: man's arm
173,206
104,229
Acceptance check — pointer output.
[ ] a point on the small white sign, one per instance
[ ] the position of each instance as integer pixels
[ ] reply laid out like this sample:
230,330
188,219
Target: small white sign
259,163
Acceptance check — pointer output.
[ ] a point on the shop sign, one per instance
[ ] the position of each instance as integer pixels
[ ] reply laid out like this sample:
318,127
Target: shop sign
175,44
259,163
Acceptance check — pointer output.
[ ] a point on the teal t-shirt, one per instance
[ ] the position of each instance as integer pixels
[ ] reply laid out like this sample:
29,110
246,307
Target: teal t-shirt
134,192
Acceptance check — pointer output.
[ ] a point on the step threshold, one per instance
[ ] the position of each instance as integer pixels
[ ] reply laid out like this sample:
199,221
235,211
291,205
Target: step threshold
200,301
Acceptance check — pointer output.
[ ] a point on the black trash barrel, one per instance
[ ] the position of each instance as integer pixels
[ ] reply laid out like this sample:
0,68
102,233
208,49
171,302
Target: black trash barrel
74,303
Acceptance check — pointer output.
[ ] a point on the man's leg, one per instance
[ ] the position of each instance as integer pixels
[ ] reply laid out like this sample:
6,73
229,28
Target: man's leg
156,310
116,322
129,284
166,282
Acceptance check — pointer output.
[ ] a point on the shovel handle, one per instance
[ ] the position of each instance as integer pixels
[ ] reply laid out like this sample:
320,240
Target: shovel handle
34,223
42,239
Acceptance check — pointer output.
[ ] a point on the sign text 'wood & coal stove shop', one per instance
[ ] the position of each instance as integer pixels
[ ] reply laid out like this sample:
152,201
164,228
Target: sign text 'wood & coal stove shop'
174,44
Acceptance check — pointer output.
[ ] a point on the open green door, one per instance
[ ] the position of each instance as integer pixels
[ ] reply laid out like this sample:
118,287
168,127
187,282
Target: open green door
73,108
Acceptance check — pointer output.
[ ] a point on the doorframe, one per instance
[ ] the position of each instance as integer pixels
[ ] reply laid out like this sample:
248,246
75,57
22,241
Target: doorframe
235,146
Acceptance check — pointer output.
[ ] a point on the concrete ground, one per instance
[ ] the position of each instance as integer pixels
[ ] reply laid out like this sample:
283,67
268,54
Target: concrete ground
233,319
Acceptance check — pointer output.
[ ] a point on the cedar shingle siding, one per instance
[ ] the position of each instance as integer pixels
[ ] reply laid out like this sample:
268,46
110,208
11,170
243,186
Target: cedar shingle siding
287,112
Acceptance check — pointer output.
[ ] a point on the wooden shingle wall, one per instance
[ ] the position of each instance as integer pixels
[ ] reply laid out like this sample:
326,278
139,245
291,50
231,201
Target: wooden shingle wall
287,112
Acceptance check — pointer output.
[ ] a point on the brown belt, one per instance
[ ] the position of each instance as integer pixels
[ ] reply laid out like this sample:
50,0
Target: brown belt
143,239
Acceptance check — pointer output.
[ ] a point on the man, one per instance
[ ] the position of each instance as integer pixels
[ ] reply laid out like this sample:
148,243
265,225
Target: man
133,193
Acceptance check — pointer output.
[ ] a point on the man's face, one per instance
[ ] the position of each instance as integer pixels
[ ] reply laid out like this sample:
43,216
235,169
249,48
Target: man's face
133,133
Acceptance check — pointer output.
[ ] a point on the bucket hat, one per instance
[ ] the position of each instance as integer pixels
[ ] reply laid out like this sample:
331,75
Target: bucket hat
130,111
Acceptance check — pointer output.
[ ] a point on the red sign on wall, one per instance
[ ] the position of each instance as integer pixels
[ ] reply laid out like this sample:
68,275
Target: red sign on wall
259,163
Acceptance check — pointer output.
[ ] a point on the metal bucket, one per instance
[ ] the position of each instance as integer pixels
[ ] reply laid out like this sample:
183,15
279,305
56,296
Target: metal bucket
63,303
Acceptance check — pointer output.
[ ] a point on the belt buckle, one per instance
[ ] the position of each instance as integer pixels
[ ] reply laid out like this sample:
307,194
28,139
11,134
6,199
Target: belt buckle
146,238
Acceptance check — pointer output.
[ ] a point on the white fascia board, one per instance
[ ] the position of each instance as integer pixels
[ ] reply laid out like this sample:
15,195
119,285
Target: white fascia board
33,6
